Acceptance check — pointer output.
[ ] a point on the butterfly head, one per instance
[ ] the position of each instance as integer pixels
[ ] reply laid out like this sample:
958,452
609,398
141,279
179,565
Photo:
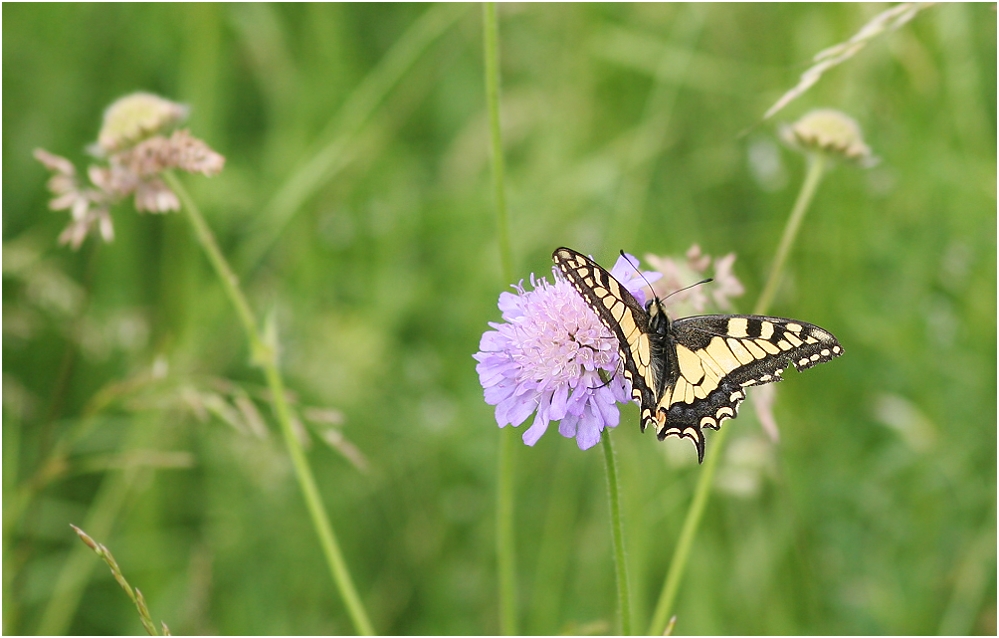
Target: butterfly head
658,319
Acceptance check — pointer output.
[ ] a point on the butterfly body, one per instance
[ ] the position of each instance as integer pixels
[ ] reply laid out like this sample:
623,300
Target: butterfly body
691,373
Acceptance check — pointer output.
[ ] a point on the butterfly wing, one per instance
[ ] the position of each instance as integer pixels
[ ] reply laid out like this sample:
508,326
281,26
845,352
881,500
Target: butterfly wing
718,356
625,318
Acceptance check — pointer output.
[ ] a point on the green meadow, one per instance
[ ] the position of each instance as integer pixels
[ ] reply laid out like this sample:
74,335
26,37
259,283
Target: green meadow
358,212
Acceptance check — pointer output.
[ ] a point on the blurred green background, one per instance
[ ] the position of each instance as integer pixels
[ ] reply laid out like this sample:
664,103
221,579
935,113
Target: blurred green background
623,128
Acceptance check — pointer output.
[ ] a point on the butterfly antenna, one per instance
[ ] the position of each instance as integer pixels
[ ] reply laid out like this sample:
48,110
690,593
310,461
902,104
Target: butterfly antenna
703,281
640,274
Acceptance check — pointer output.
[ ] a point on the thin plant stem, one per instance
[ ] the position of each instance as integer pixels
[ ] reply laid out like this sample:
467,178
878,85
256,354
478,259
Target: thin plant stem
491,39
264,355
617,531
505,541
677,565
664,608
816,167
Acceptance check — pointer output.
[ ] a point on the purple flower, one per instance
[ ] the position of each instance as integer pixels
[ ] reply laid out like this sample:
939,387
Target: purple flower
547,357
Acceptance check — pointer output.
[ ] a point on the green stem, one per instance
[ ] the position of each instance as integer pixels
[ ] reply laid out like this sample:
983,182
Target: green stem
491,42
816,167
617,531
264,356
664,607
677,565
505,542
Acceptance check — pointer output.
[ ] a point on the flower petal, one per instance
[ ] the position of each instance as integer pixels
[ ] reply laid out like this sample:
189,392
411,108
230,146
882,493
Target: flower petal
539,427
558,402
567,427
588,431
519,408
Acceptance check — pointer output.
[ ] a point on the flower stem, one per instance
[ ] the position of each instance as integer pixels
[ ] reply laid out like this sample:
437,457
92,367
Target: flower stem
505,545
664,607
617,531
264,355
816,167
491,42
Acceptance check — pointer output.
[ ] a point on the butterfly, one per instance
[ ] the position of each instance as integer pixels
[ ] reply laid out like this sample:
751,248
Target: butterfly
692,373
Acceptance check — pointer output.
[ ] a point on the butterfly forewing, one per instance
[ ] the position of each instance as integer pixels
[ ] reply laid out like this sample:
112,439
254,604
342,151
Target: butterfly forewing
623,316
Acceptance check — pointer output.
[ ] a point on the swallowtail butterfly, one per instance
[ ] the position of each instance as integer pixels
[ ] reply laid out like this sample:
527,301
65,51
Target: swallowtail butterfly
692,373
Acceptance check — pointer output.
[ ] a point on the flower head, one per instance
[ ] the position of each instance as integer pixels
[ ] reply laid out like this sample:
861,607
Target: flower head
831,132
134,150
553,357
135,117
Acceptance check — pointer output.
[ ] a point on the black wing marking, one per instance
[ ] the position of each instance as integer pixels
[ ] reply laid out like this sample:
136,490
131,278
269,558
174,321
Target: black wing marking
624,317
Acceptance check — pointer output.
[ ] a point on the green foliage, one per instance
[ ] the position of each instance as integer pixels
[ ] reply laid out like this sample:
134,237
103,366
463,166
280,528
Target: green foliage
874,514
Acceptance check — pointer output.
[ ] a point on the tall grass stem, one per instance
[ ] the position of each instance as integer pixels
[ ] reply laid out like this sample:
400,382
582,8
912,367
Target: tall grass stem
490,29
664,608
617,532
265,356
505,541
